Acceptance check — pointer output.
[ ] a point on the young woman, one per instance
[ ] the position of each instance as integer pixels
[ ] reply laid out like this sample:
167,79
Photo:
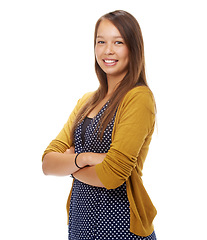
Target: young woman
106,139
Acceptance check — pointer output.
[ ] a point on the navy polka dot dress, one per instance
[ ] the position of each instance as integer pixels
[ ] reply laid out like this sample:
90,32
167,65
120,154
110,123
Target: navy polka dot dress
97,213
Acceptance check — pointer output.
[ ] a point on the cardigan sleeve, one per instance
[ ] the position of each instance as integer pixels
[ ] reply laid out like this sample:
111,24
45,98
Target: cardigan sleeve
134,123
63,141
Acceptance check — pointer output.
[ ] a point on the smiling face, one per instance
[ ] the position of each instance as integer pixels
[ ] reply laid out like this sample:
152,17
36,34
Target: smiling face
111,51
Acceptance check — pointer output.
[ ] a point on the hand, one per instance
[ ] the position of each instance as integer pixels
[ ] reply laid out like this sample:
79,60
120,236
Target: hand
71,150
81,160
87,158
96,158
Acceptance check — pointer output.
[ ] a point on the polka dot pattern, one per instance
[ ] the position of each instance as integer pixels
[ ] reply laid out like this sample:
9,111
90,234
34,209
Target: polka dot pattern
92,142
97,213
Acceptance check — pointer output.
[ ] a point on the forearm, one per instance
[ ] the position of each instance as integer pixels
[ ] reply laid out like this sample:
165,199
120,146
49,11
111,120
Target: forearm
88,175
61,164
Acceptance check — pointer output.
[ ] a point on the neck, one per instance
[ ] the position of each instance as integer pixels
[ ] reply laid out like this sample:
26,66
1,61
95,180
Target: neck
113,83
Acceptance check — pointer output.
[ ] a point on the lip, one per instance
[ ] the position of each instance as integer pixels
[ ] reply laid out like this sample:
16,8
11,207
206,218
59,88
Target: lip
110,62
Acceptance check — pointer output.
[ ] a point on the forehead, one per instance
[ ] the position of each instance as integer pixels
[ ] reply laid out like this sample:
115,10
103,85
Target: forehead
107,29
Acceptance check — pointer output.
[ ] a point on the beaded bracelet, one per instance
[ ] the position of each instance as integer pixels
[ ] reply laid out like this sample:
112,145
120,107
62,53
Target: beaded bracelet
76,161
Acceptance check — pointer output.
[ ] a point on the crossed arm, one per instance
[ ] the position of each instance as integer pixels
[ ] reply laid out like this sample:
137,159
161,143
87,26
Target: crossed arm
132,133
63,164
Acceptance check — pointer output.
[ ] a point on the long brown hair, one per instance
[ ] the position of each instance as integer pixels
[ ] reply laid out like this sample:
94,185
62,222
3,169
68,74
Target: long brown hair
132,35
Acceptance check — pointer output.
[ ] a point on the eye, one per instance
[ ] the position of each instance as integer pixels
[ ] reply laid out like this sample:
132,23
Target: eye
100,42
118,42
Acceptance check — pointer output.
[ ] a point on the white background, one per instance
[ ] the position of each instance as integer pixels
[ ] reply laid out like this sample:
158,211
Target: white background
47,64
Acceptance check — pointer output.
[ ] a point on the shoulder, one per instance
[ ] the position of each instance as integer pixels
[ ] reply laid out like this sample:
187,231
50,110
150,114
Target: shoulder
139,96
138,92
85,98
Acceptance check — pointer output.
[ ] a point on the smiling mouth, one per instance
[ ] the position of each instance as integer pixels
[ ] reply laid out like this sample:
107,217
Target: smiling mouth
110,61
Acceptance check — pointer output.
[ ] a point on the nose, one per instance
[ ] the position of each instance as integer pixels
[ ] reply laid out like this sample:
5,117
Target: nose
109,49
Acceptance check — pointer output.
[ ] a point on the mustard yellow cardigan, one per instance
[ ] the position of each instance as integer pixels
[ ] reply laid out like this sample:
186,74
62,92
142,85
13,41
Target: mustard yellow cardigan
131,136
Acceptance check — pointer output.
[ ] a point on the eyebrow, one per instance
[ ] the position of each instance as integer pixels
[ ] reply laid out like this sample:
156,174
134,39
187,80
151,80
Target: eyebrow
99,36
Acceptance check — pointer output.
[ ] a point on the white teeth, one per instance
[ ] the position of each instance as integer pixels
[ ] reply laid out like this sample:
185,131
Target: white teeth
109,61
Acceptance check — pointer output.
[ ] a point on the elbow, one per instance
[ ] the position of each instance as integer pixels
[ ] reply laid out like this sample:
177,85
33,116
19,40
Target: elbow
115,184
111,181
44,170
111,178
45,166
116,180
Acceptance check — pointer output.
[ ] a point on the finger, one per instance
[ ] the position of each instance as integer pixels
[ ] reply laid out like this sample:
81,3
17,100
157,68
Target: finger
72,149
67,151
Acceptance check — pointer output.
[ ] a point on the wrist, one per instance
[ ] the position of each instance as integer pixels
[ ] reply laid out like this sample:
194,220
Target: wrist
81,160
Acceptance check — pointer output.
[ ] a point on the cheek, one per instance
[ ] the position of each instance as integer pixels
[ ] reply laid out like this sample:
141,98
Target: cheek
97,55
97,52
125,55
123,52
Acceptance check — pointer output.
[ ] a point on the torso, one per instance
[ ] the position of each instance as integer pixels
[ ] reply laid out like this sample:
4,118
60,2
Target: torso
98,107
98,213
